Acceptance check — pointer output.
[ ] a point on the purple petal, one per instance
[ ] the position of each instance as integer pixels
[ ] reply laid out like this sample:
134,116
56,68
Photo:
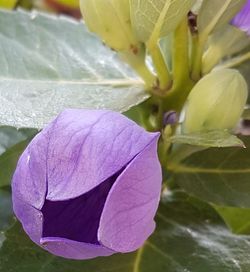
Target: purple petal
31,218
74,250
87,147
242,19
29,181
127,219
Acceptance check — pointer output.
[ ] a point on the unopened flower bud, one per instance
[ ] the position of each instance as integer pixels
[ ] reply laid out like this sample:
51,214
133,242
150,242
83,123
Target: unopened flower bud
111,21
88,185
170,118
10,4
216,102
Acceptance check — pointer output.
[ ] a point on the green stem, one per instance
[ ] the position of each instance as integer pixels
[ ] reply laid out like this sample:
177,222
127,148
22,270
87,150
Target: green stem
176,98
137,62
164,144
159,116
181,53
160,66
236,61
197,51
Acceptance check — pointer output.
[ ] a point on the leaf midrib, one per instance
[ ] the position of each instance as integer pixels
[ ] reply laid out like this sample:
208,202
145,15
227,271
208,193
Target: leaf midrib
180,168
132,82
158,25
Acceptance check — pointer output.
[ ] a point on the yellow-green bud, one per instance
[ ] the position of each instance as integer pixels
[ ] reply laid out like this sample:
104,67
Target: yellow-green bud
8,4
110,19
216,102
69,3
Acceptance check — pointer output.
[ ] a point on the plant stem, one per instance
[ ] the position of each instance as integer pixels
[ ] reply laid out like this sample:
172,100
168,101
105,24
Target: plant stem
236,61
137,62
160,66
159,116
175,99
197,51
181,53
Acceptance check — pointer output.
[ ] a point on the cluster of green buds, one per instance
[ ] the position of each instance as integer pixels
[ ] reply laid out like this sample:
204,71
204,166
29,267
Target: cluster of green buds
184,41
111,20
133,28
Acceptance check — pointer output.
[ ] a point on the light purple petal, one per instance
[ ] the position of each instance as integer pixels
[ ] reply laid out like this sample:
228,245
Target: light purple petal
87,147
29,181
31,218
127,219
242,19
74,250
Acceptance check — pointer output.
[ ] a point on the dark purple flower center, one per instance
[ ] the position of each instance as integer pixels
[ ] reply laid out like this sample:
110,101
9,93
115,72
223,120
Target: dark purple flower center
77,219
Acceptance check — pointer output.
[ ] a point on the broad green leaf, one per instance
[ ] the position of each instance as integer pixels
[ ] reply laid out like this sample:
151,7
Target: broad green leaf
217,138
6,215
12,143
237,219
9,4
214,14
217,175
8,161
153,19
189,237
10,136
50,63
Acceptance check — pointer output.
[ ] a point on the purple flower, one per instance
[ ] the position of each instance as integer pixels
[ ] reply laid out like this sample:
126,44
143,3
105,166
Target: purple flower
88,185
242,19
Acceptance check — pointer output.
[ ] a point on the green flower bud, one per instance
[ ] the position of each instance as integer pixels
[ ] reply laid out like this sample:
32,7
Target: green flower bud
110,19
216,102
8,4
69,3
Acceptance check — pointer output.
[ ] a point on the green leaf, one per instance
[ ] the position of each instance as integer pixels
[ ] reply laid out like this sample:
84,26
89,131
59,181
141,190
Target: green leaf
6,214
189,237
214,14
217,175
8,161
12,143
10,136
237,219
50,63
153,19
217,138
